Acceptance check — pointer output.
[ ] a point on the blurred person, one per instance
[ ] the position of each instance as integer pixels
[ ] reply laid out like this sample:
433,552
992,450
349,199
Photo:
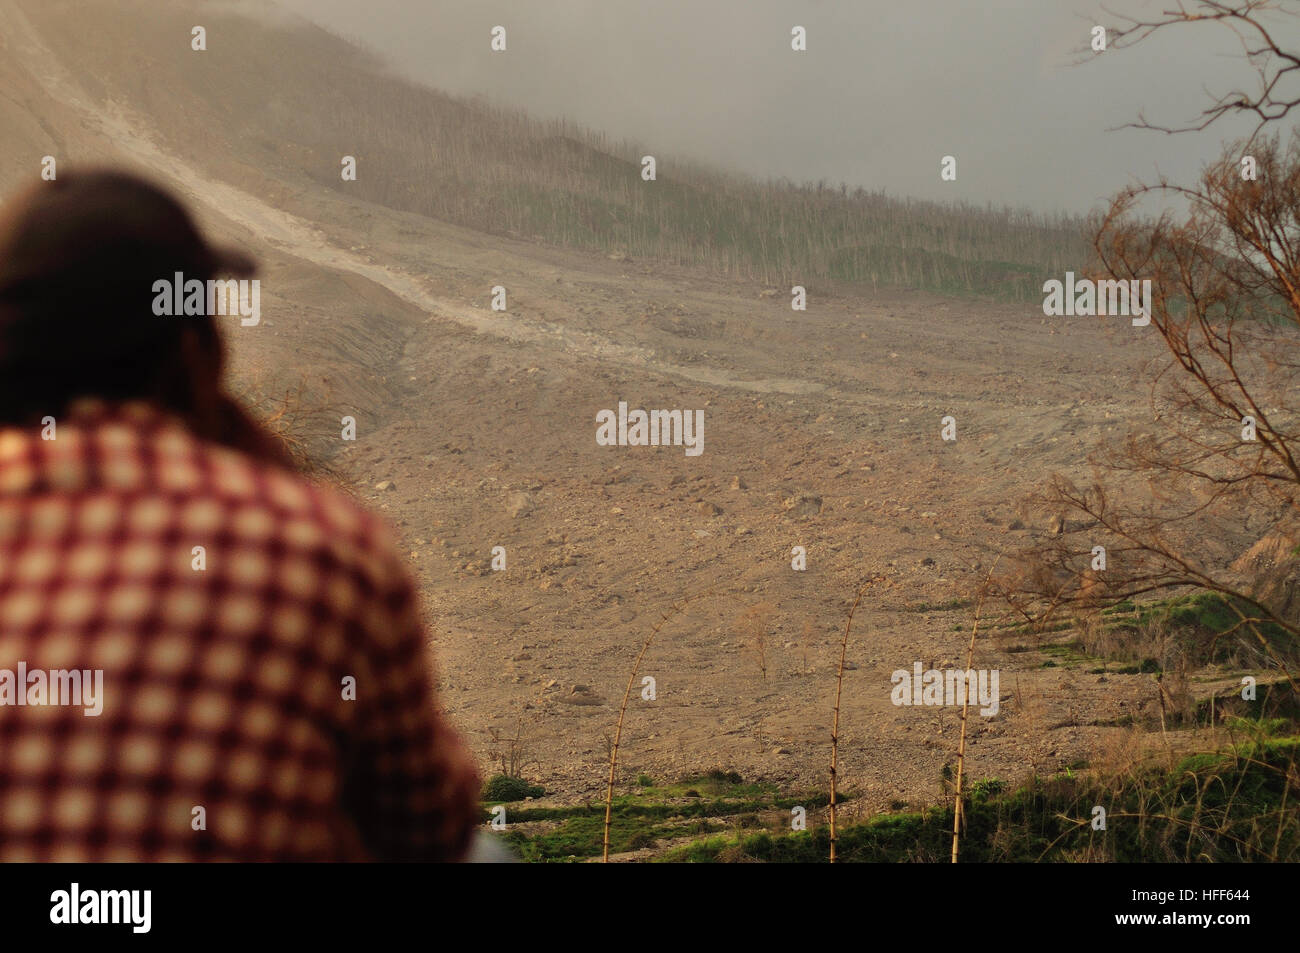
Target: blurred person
268,697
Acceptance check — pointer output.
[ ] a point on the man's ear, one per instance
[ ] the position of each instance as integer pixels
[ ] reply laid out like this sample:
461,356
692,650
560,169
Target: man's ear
195,383
202,356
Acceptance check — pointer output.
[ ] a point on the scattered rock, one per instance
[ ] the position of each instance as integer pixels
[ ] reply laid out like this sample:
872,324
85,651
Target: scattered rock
385,485
738,484
519,505
709,509
1268,553
582,695
803,504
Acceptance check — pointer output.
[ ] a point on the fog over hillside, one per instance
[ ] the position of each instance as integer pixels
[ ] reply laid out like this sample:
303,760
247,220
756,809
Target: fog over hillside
883,91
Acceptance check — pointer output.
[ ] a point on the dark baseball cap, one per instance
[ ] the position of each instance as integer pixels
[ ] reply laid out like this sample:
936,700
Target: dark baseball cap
101,228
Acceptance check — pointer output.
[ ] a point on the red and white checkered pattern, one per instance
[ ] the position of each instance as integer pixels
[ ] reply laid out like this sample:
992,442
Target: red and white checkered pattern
223,686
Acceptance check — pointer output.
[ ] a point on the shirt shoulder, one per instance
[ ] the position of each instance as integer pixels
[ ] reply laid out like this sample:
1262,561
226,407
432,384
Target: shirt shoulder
304,513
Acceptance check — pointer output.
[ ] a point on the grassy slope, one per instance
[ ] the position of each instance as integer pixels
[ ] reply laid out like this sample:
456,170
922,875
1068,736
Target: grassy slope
1218,807
1231,805
1235,803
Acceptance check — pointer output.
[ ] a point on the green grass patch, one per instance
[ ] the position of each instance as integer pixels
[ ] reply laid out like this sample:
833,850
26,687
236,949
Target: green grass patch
699,806
1237,805
1067,653
1202,623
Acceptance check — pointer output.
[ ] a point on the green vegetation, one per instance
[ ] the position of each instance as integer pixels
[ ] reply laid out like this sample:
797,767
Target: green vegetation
1238,805
691,808
1207,625
1198,629
502,788
1241,803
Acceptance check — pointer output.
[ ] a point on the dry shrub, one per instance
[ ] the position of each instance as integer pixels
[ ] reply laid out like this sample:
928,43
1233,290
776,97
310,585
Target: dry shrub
294,418
754,628
513,752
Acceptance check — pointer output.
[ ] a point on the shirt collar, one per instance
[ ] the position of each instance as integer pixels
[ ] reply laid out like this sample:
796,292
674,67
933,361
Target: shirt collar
122,445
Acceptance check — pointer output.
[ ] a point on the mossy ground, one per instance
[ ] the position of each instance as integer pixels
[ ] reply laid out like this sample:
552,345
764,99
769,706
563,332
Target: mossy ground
1241,803
1237,805
652,816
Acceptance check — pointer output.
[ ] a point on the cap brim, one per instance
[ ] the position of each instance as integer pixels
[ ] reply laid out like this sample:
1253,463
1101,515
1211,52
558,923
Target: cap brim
231,261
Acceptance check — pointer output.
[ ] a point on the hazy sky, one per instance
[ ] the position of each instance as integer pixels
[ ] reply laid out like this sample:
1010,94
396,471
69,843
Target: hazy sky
883,92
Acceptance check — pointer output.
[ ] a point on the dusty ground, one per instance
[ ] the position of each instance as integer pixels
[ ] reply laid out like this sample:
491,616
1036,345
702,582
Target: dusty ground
822,430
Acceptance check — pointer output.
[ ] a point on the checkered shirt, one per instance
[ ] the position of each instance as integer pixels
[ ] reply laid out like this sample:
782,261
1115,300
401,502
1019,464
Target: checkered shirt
266,697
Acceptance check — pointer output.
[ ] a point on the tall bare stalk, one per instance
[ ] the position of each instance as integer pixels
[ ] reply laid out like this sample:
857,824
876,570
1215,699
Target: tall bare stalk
958,810
839,687
673,610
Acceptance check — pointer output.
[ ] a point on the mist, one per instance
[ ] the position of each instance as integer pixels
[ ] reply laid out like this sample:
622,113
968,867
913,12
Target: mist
882,93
